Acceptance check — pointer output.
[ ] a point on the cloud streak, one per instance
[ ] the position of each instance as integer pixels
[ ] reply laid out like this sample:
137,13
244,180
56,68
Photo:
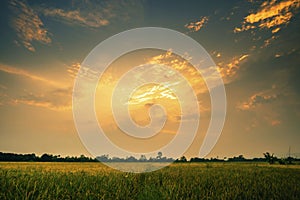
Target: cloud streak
95,14
76,17
230,69
56,100
26,74
258,99
196,26
262,105
28,25
271,15
73,70
151,94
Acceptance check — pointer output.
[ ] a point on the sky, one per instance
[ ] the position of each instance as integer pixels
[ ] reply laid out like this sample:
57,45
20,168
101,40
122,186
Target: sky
254,44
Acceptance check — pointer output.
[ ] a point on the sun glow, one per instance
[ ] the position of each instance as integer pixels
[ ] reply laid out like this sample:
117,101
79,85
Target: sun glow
148,96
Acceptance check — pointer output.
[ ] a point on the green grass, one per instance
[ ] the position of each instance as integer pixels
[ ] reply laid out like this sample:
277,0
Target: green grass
178,181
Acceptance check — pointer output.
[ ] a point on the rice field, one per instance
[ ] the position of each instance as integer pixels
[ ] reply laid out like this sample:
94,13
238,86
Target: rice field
31,180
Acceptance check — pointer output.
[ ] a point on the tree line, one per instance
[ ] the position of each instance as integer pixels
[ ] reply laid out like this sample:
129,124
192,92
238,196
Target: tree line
43,158
158,158
13,157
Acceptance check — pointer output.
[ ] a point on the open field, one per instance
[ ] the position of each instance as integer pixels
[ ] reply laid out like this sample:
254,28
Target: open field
179,181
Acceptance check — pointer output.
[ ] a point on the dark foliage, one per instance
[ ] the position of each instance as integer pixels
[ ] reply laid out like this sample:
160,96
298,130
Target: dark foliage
159,158
44,158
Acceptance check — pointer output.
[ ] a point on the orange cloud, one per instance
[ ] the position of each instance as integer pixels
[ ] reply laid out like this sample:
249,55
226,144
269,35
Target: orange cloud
47,105
151,93
264,97
28,25
275,30
85,72
73,70
188,71
196,26
56,100
271,15
268,41
271,10
59,99
229,70
216,54
264,105
184,68
21,72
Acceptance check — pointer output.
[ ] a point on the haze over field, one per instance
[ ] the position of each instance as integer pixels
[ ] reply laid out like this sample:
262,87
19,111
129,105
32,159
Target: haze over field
255,45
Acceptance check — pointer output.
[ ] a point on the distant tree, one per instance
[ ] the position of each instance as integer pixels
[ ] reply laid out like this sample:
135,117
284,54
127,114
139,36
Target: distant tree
282,161
131,159
159,155
270,158
116,159
82,158
237,159
143,158
103,158
289,160
46,157
196,159
182,159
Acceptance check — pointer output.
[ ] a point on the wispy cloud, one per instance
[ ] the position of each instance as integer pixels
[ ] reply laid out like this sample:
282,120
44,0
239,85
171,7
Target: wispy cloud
95,14
257,99
56,100
271,15
268,41
28,25
229,69
183,67
196,26
90,19
73,69
151,94
77,70
43,104
26,74
264,108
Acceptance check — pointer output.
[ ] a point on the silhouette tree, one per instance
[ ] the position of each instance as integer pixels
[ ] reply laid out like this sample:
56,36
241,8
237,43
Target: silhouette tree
131,159
46,157
143,158
270,158
159,155
182,159
103,158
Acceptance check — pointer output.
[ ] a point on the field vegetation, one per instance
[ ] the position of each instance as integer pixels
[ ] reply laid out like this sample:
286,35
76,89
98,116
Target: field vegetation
53,180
